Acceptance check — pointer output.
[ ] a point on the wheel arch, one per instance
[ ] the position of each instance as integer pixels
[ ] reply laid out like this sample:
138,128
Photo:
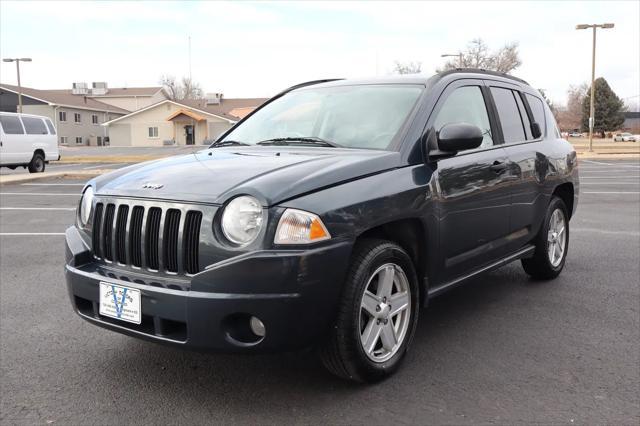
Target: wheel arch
566,193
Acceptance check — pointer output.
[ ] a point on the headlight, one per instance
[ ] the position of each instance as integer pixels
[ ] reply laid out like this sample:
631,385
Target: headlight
242,220
300,227
85,205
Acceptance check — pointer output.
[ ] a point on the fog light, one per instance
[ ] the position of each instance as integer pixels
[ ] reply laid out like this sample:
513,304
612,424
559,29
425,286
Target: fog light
257,327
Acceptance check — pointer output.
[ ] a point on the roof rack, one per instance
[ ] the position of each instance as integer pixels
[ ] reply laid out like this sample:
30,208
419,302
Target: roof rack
482,71
309,83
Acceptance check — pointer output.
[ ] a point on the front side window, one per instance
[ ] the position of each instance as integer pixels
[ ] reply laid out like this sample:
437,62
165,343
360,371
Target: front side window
466,105
34,126
153,132
62,116
77,117
11,125
360,116
510,120
52,130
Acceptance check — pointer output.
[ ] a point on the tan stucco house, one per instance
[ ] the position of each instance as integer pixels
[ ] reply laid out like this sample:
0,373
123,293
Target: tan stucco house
185,122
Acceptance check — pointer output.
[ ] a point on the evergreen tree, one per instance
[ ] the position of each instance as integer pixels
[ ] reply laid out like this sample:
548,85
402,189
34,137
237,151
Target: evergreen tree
608,109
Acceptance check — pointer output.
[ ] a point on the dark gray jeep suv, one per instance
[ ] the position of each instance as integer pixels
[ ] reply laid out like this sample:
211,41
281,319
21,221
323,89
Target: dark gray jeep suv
327,218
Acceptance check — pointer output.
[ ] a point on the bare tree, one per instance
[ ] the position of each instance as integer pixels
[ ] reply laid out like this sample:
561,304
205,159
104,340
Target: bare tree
408,67
184,89
570,118
479,56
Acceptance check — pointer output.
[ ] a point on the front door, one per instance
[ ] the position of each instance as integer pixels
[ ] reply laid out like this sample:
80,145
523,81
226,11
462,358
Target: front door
189,133
472,187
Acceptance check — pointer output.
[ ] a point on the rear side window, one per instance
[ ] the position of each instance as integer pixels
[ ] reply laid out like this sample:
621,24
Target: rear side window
510,120
523,114
34,126
11,125
52,130
537,109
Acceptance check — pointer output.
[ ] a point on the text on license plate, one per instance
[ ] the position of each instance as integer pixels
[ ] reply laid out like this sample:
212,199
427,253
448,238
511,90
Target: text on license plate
119,302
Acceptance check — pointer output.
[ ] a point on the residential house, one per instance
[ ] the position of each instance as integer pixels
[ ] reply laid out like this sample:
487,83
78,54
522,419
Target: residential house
185,122
631,122
79,112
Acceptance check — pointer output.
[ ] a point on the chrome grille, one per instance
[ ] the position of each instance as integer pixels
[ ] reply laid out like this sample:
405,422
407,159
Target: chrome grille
159,239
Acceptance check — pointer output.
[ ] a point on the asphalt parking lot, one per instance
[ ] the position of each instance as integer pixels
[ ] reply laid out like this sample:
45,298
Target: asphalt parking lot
501,350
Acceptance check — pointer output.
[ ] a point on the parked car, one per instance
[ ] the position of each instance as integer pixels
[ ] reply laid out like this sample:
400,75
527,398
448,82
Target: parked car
27,140
575,135
624,137
327,218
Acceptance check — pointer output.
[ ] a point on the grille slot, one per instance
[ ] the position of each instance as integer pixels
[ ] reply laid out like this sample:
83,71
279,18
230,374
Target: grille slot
152,238
97,228
121,233
170,240
191,241
108,232
135,236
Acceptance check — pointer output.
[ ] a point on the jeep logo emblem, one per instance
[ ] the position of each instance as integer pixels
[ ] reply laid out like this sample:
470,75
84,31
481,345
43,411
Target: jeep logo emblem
150,185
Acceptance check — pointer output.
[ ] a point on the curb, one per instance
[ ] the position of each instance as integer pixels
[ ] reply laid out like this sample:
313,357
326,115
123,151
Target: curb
48,175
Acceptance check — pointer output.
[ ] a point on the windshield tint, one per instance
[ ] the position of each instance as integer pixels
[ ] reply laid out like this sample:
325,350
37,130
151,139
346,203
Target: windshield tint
363,116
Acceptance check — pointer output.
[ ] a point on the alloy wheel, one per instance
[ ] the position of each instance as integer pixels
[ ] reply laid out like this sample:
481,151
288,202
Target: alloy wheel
556,238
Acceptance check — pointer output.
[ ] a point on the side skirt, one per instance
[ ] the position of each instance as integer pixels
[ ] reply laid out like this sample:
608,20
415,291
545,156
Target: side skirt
526,251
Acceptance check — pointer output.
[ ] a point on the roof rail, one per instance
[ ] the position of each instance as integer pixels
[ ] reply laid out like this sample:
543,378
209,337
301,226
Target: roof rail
482,71
308,83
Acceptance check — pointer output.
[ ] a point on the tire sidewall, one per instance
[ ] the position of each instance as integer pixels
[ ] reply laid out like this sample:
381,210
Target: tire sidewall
556,204
37,163
389,253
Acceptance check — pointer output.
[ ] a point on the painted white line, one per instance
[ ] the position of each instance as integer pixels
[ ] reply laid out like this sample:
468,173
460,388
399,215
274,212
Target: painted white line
609,177
609,183
611,164
603,231
38,208
26,234
609,192
53,184
41,193
104,166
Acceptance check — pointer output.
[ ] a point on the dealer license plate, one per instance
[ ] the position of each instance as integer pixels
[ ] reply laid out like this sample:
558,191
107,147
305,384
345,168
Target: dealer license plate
122,303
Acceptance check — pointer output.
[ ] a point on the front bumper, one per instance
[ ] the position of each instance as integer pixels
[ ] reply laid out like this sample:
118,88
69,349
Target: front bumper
293,292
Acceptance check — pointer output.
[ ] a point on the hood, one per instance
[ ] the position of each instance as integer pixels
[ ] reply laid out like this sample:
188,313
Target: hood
271,174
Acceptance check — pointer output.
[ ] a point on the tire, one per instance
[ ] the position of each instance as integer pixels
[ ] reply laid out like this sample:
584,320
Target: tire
37,164
343,352
541,266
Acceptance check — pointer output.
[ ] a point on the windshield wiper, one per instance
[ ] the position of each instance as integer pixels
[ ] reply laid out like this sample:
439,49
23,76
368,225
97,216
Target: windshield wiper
227,143
301,140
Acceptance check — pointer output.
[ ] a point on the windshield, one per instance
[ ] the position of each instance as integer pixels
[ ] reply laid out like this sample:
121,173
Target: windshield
360,116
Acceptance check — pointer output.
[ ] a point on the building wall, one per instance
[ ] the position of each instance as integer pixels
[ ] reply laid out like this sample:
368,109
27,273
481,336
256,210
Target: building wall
120,134
88,131
218,128
132,103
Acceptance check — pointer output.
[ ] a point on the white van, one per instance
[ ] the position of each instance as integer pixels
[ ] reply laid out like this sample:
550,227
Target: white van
27,140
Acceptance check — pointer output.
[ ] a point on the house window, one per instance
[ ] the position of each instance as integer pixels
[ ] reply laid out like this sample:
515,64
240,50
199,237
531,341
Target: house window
153,132
78,140
62,116
76,117
94,118
63,140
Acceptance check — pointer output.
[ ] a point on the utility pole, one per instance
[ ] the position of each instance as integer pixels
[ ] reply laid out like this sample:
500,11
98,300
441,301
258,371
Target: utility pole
593,76
458,55
17,61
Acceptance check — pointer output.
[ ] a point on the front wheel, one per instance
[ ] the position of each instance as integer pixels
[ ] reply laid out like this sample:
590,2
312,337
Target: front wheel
37,164
377,315
552,243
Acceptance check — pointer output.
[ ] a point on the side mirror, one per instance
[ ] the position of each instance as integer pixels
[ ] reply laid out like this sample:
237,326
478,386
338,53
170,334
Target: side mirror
535,130
456,137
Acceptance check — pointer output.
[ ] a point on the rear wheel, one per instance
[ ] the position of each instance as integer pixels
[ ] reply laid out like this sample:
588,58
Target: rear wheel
37,164
377,315
552,243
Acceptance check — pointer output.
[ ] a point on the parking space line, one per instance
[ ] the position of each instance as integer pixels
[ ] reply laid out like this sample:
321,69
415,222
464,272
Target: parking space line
609,192
609,177
38,208
41,193
103,166
53,184
27,234
609,183
612,164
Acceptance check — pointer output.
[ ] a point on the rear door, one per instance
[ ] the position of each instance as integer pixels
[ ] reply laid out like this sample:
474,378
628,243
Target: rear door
522,121
471,188
12,140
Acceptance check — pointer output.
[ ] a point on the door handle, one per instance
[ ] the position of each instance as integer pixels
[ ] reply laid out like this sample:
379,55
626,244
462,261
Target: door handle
498,166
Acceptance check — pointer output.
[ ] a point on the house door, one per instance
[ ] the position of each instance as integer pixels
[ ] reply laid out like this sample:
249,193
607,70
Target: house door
190,136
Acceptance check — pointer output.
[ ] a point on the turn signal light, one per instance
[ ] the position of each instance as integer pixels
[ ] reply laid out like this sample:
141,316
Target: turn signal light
300,227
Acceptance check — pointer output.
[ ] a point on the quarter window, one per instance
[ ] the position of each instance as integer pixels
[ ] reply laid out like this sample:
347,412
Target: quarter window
34,126
62,116
153,132
510,120
537,109
11,125
466,105
52,130
94,118
77,117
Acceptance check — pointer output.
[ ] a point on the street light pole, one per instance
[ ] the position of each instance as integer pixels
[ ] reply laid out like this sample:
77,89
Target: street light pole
458,55
17,61
593,76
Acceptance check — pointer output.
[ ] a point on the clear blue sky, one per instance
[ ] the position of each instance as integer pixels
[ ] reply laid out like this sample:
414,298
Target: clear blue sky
247,49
